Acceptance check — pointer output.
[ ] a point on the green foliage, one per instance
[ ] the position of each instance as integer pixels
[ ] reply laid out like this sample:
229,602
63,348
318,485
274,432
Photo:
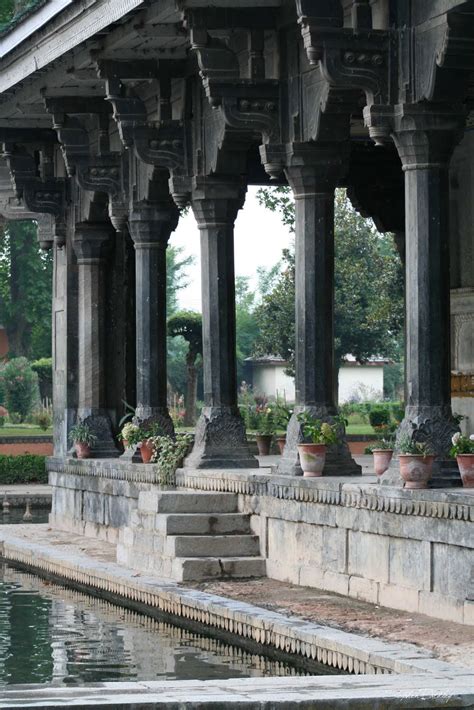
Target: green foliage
81,434
44,369
6,12
379,416
384,444
462,444
20,384
319,432
43,420
408,445
2,421
188,324
168,454
176,276
25,290
265,420
26,468
368,288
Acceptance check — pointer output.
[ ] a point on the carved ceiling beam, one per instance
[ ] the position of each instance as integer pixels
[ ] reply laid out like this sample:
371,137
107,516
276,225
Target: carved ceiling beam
160,145
46,196
105,171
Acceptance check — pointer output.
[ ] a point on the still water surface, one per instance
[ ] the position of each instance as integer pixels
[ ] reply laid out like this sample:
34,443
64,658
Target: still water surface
50,634
15,516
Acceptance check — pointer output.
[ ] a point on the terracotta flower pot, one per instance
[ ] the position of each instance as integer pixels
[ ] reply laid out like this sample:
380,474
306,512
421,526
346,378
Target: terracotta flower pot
83,451
382,458
466,469
146,451
264,442
312,459
416,470
281,441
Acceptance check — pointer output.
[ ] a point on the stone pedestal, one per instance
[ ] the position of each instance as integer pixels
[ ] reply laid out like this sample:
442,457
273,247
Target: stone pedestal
313,172
90,244
220,440
425,140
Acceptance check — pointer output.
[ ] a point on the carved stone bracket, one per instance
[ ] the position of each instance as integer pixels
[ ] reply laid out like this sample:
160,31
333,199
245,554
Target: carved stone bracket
47,196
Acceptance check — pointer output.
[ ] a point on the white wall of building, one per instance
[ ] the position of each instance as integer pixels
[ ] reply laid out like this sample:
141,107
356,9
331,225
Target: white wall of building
271,380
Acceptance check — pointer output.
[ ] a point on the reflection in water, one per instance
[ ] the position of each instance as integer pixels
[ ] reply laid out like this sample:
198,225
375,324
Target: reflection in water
52,634
15,516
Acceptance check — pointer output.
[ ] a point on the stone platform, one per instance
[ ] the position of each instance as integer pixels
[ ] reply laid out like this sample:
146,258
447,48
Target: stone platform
410,550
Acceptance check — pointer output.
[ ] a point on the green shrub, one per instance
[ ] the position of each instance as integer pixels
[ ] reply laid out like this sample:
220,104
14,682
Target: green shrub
2,421
27,468
44,370
14,418
398,411
42,420
21,386
379,417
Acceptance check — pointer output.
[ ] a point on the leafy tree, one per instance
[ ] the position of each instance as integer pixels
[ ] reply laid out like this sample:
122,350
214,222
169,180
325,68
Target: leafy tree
6,11
25,290
176,276
188,325
368,288
20,384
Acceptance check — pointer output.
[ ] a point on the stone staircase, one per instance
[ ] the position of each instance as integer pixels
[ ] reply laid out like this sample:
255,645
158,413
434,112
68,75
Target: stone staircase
189,535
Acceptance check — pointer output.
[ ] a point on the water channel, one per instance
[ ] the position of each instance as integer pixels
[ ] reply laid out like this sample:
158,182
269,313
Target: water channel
52,634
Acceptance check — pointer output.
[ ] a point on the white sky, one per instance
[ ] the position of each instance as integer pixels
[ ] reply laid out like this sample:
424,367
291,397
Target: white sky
260,237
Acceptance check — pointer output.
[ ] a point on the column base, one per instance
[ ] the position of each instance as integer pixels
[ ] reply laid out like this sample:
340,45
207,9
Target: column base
147,417
434,426
339,461
220,441
101,426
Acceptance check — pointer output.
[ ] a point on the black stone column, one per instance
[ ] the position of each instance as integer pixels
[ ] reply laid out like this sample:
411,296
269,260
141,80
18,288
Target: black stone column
425,140
313,172
91,241
151,225
220,431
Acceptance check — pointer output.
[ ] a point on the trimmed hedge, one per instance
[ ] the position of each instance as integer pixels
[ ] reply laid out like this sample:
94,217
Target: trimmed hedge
27,468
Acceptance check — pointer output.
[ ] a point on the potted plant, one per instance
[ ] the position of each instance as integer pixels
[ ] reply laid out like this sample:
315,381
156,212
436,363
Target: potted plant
148,436
82,438
463,451
282,417
130,435
313,455
168,454
382,452
416,463
265,429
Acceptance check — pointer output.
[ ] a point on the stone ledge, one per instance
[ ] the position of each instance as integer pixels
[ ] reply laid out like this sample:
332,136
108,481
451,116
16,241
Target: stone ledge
345,651
364,494
339,692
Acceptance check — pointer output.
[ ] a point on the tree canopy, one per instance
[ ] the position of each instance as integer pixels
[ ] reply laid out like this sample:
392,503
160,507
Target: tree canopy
368,288
25,290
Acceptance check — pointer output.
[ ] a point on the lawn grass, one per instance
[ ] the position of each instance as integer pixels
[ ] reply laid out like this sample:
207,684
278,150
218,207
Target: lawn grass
360,429
23,430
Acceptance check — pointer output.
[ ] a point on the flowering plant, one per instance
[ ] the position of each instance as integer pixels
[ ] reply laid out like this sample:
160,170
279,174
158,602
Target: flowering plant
265,420
384,444
282,415
131,433
462,444
319,432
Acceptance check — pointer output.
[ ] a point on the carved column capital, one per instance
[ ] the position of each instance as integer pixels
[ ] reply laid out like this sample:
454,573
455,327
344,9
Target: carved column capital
307,165
91,242
151,224
425,137
217,201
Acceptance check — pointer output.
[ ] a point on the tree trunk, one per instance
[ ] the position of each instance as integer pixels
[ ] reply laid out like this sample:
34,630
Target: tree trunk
191,393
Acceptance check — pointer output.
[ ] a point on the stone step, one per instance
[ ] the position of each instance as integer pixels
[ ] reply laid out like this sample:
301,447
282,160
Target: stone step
203,524
213,545
186,502
187,570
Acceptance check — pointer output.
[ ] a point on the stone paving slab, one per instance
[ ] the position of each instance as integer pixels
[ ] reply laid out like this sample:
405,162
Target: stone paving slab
90,565
357,693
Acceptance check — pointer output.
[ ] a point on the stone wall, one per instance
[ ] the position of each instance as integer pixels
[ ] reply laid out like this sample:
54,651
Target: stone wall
90,504
410,550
